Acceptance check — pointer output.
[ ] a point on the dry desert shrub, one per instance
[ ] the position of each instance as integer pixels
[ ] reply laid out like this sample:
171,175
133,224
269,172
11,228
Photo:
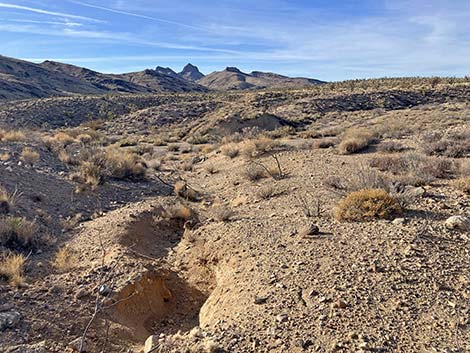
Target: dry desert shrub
84,138
230,150
222,213
324,143
185,191
173,147
463,184
63,138
355,140
7,200
416,168
17,232
4,157
367,204
12,268
454,145
12,136
65,259
254,172
29,156
391,147
179,211
282,131
266,192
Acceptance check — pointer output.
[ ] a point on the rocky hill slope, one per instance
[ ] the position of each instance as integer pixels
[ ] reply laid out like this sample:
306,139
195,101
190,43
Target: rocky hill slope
234,79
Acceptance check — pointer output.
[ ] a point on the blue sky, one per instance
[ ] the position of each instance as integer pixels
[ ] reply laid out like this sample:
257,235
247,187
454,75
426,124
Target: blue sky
325,39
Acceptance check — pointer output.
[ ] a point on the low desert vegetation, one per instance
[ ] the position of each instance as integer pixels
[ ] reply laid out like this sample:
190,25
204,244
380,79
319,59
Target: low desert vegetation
185,191
12,136
366,205
29,156
179,212
324,143
415,168
8,200
222,213
355,140
463,184
12,269
17,232
65,259
391,147
230,150
455,144
254,172
266,192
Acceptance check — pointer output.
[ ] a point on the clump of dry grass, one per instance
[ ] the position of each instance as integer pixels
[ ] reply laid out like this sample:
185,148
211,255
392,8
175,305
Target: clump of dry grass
230,150
17,232
12,136
254,172
463,184
65,259
367,204
4,157
124,165
29,156
266,192
355,140
84,138
63,138
7,200
12,269
222,213
454,144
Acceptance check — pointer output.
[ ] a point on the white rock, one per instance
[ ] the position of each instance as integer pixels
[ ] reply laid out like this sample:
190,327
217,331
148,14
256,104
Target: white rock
150,343
458,223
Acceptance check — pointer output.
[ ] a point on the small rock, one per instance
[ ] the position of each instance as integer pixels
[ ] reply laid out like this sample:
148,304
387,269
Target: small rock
150,343
458,223
311,229
104,290
282,318
6,307
9,319
398,221
261,300
339,304
82,292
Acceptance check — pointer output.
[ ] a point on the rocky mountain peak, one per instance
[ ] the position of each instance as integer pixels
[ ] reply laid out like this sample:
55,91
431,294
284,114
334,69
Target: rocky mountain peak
191,73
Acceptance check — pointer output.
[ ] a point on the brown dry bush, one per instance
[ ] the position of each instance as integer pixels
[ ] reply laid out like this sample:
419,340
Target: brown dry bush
17,232
453,145
12,268
266,192
65,259
12,136
222,213
29,156
324,143
355,140
367,204
230,150
254,172
391,147
63,138
185,191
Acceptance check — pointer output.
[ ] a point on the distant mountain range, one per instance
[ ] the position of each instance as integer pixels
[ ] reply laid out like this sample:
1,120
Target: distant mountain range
21,79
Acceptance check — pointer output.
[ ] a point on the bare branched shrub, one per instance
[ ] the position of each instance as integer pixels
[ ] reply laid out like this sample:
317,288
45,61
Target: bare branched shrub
12,268
29,156
355,140
367,204
310,205
453,145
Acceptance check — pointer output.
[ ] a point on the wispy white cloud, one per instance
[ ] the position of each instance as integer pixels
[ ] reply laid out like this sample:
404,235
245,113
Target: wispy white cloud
132,14
46,12
58,23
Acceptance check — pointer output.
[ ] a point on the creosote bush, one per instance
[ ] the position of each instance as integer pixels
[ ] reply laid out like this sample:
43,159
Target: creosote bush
367,204
355,140
12,268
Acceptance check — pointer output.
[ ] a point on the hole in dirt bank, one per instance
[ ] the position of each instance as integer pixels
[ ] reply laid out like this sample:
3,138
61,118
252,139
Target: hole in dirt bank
156,303
152,233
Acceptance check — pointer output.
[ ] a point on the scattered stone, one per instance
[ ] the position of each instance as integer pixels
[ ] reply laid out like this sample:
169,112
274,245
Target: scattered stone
82,292
28,348
150,343
9,319
6,307
311,229
104,290
282,318
458,223
261,300
398,221
339,304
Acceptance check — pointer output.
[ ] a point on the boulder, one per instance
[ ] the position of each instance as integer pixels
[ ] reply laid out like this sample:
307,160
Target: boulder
458,223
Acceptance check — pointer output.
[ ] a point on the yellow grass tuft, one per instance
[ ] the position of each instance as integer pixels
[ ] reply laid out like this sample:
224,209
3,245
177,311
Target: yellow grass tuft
12,267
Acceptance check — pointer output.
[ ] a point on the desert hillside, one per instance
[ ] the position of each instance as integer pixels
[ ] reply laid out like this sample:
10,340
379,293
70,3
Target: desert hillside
328,218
